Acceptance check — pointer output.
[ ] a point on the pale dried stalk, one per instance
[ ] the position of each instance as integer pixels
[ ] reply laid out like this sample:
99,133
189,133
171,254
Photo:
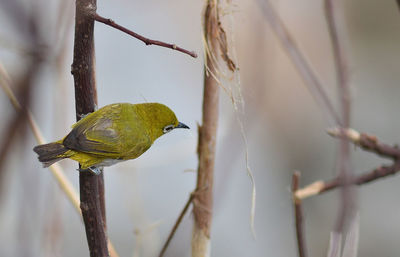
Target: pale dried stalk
203,200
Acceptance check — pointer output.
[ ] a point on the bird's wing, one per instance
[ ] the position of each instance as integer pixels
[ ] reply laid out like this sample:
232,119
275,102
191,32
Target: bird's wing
105,135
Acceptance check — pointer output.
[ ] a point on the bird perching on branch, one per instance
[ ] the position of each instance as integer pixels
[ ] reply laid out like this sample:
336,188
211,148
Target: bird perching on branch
114,133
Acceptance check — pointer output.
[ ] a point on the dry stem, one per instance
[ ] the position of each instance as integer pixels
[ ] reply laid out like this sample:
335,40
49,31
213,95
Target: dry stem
203,200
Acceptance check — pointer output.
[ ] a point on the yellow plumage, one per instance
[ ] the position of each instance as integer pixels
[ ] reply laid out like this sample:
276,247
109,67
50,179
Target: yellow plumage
114,133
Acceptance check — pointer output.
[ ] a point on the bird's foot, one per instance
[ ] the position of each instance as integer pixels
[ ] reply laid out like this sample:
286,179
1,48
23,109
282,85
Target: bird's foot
94,170
81,116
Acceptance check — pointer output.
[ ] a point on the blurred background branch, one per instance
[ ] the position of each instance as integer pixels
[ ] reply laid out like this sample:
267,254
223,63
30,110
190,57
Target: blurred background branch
289,45
335,20
20,18
284,125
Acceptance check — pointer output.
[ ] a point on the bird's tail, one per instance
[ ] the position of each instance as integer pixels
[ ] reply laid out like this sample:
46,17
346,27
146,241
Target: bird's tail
51,153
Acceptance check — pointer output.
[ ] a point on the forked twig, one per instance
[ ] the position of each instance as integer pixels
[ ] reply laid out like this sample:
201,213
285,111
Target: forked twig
367,142
320,186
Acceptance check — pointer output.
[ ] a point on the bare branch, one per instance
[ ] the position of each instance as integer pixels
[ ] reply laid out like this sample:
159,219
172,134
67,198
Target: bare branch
145,40
298,213
91,186
367,142
175,227
320,187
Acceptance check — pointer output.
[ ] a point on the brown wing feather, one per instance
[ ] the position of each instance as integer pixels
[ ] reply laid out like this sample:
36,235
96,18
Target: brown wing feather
105,133
95,133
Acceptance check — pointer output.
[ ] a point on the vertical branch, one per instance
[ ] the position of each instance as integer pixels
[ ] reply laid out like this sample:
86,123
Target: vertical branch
344,99
83,70
298,213
203,200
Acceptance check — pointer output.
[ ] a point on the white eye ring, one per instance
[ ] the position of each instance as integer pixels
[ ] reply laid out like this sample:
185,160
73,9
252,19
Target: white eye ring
168,128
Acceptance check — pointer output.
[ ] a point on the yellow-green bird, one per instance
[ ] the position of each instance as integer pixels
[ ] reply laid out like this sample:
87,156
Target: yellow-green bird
114,133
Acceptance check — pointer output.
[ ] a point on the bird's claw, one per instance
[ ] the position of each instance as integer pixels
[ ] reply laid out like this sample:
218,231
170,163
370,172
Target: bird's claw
93,170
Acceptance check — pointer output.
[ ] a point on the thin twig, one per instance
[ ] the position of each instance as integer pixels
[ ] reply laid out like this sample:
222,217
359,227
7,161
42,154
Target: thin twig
176,225
303,67
298,213
320,187
367,142
145,40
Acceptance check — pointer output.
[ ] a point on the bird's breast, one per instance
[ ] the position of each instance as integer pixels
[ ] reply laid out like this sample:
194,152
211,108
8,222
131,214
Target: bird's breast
109,162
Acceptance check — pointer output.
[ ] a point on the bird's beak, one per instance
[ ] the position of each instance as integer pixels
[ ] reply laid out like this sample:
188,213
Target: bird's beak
181,125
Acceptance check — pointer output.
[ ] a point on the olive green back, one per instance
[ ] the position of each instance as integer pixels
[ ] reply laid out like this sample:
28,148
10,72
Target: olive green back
122,130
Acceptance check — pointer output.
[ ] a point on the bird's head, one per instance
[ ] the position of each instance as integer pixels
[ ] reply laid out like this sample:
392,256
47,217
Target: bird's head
161,119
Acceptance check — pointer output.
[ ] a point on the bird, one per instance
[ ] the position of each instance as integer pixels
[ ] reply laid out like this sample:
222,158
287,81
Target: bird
112,134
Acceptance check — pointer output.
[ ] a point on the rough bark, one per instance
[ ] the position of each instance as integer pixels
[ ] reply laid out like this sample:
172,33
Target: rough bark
83,70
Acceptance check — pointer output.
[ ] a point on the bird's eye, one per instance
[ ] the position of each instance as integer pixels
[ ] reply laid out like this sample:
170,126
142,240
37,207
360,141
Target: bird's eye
168,128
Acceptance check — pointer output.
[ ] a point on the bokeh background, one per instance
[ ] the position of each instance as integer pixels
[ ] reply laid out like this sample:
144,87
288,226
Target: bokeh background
285,128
